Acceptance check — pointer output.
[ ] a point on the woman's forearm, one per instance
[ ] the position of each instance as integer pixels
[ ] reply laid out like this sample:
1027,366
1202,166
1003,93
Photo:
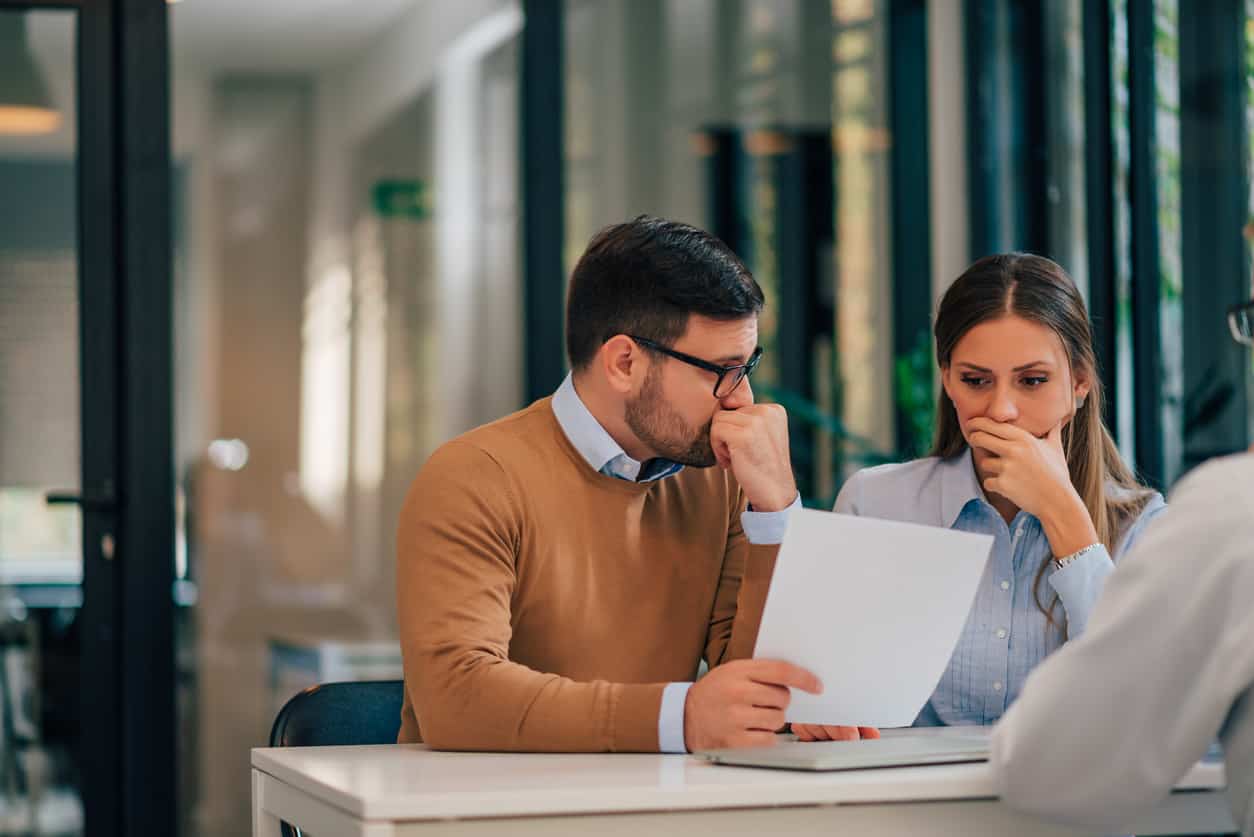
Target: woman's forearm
1067,524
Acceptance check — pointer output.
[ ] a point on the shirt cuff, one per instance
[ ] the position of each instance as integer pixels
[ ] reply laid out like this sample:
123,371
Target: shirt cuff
670,720
767,528
1080,584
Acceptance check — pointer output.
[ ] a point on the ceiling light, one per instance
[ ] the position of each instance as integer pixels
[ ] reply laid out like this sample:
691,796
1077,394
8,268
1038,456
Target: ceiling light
25,106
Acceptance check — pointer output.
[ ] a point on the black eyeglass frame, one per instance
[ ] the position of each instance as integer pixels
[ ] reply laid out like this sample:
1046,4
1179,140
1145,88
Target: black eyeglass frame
744,369
1238,314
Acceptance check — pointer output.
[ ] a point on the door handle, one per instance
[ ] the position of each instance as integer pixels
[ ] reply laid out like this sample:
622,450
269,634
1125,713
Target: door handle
88,503
102,503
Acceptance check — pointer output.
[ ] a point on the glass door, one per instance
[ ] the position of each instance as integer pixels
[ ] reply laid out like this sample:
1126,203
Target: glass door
86,484
41,563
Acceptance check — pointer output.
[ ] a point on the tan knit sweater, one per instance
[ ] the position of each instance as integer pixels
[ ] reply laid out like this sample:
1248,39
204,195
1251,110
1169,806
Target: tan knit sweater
544,606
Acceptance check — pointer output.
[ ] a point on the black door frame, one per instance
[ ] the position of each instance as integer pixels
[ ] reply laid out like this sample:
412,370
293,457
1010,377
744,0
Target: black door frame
127,715
1099,165
541,120
1147,358
910,157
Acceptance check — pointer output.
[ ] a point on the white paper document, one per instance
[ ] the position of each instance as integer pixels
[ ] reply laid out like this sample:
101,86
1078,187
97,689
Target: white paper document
874,608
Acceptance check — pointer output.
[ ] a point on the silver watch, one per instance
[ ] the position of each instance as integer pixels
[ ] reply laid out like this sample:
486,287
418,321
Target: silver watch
1059,563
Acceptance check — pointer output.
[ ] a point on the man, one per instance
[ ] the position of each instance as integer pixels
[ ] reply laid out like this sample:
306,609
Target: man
563,571
1106,726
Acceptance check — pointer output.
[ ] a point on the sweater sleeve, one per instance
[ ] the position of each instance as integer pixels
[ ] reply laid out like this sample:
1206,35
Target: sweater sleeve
741,596
457,546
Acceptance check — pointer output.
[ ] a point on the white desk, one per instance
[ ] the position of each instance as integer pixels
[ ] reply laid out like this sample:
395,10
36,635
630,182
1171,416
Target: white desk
388,791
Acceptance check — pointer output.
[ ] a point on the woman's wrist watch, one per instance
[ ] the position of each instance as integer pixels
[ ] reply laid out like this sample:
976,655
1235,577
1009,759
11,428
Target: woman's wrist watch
1060,563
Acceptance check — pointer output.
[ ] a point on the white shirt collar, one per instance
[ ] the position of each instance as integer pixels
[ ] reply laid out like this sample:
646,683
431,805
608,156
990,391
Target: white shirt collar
959,486
592,441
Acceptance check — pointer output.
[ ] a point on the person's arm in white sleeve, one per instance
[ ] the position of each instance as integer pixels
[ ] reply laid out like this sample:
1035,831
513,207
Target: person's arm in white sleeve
1107,725
848,500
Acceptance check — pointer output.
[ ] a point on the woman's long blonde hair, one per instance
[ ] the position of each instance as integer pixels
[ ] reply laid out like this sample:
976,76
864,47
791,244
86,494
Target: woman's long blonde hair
1037,289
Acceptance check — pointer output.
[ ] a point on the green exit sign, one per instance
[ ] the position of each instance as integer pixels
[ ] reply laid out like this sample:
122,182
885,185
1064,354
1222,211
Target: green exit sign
402,199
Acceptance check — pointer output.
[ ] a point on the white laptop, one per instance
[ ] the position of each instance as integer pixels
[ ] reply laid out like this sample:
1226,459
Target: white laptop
904,750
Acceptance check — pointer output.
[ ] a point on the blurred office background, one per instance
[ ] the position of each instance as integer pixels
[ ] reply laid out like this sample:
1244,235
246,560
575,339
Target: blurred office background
372,208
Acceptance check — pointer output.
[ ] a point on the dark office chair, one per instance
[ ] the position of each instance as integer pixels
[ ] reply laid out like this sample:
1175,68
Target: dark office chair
365,712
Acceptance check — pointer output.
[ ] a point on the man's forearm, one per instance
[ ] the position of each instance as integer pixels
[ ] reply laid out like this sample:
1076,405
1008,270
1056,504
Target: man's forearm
500,705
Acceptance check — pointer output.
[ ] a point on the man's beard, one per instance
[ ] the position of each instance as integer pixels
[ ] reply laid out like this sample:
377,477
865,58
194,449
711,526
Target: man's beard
664,430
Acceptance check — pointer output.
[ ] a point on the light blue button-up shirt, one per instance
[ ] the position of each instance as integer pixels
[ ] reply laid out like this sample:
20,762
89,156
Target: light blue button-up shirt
1006,634
605,455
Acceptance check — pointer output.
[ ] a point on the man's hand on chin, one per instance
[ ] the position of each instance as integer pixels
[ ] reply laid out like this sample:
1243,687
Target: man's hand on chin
753,442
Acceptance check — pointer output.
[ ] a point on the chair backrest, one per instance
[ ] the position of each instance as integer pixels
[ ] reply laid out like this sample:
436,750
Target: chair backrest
364,712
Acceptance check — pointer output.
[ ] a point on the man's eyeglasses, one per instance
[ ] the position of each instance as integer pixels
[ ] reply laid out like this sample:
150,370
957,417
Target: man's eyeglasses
1241,321
729,377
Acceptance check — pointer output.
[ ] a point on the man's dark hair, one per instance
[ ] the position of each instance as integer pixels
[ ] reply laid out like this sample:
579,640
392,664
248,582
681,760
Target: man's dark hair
645,277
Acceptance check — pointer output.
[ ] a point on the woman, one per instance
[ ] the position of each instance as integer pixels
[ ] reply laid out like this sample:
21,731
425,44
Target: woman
1021,454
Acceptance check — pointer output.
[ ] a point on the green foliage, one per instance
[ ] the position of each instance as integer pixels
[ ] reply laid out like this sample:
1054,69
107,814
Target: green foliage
915,399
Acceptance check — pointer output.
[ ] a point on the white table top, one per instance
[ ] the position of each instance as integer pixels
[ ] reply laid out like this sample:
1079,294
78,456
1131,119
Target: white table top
410,782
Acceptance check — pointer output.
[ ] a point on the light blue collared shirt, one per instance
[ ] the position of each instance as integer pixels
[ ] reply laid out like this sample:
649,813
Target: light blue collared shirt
605,455
1006,634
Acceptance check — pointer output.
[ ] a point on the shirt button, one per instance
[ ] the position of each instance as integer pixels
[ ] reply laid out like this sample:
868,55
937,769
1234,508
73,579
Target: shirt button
1001,633
997,685
1005,585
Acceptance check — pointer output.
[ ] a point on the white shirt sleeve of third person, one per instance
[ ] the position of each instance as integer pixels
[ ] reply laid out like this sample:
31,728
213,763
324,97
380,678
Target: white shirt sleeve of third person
1108,724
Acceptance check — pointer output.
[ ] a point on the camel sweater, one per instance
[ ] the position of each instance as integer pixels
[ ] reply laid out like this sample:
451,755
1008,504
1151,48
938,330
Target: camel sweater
544,606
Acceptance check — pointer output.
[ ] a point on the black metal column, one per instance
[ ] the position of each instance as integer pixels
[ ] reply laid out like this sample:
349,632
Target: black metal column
721,163
911,236
128,754
1146,274
803,176
100,731
1099,197
146,543
1006,136
1213,159
544,219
